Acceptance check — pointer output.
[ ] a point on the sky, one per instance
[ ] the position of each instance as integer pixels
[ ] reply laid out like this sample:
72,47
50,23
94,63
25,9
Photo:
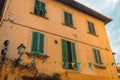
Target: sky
110,8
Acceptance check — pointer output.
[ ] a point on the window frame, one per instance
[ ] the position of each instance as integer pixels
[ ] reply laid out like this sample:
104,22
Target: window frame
69,19
40,11
91,28
97,56
65,55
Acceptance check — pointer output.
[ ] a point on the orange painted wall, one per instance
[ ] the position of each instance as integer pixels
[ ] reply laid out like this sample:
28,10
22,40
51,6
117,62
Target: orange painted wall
20,31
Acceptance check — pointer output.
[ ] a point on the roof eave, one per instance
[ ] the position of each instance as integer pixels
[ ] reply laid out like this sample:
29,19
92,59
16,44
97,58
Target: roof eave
86,10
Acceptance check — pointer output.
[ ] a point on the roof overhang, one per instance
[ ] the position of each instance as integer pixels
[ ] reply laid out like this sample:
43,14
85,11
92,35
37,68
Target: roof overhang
80,7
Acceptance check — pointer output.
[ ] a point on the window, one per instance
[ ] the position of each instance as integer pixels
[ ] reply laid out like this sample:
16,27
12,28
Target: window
39,8
68,19
69,54
37,43
97,56
2,4
91,28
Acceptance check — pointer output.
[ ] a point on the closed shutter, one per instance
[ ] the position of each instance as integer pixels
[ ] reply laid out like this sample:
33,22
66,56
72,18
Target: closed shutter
64,51
93,29
73,51
37,43
89,27
70,20
34,42
99,57
66,18
95,55
41,43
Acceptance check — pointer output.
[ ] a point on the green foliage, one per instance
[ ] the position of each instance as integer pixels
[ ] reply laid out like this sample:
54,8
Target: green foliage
56,76
43,76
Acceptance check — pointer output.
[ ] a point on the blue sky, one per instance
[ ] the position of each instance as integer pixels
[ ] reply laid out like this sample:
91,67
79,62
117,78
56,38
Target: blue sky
111,9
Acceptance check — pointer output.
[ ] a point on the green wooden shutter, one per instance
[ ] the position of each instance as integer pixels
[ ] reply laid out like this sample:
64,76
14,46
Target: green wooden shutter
37,43
39,6
64,51
99,57
41,43
73,52
70,20
95,55
35,4
34,42
36,7
43,7
66,18
93,29
89,26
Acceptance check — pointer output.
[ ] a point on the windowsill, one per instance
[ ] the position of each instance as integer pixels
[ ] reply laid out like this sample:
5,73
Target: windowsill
70,69
93,34
39,15
99,66
69,26
40,56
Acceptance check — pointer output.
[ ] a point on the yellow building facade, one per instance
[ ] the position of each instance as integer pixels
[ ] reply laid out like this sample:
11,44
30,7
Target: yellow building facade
71,36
